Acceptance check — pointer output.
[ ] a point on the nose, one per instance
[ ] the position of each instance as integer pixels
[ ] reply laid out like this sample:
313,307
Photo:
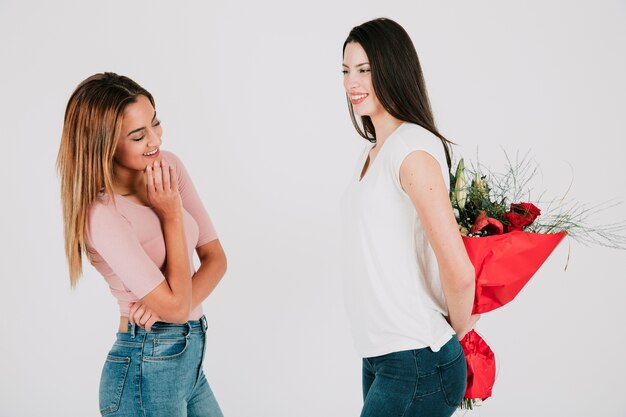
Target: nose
154,139
350,82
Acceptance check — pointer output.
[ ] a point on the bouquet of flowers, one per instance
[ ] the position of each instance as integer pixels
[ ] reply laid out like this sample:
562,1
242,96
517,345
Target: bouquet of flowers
507,244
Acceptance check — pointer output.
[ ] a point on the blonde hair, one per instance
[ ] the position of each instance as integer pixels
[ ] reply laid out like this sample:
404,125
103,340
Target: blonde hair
92,124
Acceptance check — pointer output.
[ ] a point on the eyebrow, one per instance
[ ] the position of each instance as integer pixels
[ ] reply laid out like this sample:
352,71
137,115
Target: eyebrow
143,127
359,65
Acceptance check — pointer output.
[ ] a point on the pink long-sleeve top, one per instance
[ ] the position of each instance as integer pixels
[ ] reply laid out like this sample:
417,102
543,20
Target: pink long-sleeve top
125,241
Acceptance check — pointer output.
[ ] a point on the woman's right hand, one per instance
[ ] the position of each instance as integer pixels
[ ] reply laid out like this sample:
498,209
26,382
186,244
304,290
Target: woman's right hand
162,189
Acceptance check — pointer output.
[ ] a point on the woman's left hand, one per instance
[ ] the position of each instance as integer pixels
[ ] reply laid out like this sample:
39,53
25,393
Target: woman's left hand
142,315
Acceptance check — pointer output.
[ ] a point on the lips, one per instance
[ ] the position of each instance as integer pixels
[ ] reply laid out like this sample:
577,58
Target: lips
152,154
358,98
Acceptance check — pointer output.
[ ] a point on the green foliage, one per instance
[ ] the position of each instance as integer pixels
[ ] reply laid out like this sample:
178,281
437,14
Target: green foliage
493,192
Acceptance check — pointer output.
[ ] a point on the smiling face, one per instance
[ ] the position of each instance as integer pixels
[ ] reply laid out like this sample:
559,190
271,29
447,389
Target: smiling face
140,137
357,80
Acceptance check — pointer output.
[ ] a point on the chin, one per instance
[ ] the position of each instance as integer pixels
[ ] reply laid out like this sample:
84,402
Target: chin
362,111
358,112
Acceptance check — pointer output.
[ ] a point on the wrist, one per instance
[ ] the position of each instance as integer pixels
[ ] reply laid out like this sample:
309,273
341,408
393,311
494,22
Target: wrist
171,217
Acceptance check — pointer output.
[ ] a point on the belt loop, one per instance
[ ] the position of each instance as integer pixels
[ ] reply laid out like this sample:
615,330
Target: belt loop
204,324
188,330
133,330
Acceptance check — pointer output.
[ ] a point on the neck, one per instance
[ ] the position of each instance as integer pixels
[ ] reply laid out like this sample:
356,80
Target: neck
127,181
385,124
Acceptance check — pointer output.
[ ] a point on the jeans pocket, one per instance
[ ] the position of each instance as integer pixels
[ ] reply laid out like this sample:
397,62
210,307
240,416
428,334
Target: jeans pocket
112,383
453,376
166,348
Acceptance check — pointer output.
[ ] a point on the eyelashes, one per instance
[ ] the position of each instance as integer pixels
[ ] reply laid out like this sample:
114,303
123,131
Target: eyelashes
157,124
360,71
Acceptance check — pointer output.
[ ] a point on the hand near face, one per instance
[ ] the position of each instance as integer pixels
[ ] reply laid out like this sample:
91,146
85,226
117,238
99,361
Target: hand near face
162,190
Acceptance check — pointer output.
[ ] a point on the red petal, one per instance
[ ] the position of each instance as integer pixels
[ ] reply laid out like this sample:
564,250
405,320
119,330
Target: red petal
479,223
492,226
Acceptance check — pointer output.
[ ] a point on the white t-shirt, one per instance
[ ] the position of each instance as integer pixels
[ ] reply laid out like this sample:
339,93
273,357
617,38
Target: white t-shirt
392,287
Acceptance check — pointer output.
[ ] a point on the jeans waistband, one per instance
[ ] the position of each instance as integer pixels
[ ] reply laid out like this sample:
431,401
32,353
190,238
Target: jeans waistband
192,326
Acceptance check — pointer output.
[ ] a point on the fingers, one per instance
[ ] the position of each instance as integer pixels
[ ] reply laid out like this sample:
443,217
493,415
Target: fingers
149,180
162,189
165,169
139,314
136,313
132,311
173,179
158,176
145,317
153,319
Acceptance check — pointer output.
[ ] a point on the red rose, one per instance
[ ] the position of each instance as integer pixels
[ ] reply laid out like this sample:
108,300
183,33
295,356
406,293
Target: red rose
514,221
490,225
521,215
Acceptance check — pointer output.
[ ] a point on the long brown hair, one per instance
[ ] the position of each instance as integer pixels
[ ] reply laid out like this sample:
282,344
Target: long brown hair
92,124
396,77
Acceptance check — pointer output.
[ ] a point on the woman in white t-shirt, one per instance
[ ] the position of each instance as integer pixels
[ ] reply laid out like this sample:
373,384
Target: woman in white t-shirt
409,285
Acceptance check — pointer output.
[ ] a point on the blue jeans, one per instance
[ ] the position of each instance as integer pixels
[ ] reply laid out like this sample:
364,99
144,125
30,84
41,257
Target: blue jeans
158,373
415,383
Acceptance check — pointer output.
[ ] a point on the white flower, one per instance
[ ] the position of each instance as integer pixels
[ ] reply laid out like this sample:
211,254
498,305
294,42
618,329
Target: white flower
460,190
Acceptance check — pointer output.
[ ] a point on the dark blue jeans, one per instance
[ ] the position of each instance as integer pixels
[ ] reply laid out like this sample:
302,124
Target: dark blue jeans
158,373
415,383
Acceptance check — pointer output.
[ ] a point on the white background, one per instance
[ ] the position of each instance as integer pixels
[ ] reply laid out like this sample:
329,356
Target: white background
251,98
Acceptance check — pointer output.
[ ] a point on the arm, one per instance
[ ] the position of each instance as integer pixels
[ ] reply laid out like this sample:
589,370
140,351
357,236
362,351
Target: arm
421,179
211,254
209,249
211,271
171,300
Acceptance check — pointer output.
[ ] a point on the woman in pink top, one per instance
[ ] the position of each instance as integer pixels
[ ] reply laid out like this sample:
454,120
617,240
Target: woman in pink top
132,208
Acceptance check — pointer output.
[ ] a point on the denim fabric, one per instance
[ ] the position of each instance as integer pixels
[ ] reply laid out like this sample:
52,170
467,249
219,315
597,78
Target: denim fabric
415,383
158,373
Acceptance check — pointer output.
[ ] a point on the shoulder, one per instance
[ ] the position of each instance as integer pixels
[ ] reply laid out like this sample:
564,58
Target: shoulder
414,137
102,218
103,212
411,138
416,147
103,204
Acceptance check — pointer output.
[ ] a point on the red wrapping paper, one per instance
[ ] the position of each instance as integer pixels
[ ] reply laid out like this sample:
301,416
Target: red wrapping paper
481,366
503,264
